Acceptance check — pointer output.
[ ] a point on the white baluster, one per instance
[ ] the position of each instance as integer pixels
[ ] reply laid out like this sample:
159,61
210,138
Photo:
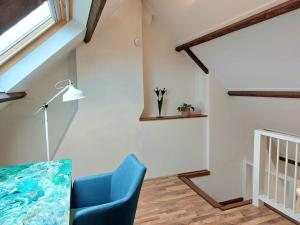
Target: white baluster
269,166
295,179
277,170
285,172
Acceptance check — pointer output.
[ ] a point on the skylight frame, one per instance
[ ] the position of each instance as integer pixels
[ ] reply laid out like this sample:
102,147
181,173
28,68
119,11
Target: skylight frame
24,35
26,39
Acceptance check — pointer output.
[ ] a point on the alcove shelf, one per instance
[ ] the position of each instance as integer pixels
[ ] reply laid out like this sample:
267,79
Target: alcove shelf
154,118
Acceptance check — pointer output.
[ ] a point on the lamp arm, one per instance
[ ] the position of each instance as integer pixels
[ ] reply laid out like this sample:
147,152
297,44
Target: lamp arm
58,94
51,99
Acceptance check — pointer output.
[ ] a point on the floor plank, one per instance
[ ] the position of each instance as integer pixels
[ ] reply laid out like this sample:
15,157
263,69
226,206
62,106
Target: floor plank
168,201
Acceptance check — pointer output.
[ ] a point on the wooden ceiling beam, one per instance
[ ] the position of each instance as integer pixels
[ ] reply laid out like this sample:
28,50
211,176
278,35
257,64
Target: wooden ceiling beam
97,7
6,97
278,10
196,60
269,94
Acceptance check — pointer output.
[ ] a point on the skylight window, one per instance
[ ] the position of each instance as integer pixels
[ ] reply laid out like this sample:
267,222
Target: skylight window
27,28
24,27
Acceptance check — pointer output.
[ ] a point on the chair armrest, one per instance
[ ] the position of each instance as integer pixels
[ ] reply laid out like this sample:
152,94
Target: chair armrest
91,191
108,213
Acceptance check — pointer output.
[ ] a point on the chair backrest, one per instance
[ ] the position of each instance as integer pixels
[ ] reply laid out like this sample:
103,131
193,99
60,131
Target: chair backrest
127,179
125,186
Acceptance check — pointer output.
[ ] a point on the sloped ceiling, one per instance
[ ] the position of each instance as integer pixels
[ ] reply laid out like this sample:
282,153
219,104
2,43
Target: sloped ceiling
81,10
263,56
110,7
188,19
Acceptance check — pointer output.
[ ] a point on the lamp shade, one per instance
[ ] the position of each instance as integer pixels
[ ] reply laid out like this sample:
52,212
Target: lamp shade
72,94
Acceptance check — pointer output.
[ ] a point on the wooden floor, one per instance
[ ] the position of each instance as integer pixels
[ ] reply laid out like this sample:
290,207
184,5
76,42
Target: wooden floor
168,201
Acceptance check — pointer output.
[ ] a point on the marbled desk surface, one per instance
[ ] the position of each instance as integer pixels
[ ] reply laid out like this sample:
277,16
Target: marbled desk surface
36,194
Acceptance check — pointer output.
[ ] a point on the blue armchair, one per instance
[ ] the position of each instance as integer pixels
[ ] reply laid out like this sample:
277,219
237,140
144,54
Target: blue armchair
108,199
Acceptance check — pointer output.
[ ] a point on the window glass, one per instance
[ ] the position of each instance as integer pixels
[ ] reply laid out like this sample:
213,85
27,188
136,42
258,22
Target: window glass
24,27
12,11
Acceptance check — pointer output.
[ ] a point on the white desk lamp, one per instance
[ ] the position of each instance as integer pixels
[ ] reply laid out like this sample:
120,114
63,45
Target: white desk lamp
71,94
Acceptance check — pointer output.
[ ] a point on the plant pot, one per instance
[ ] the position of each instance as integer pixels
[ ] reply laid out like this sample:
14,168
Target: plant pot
186,113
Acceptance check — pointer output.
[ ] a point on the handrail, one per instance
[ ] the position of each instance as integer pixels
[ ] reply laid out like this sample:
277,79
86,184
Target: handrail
279,135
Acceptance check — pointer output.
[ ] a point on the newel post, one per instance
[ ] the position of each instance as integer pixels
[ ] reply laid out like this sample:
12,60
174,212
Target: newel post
258,168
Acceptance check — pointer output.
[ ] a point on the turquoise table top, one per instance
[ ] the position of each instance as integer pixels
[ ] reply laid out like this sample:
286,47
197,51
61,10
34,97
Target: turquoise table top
36,194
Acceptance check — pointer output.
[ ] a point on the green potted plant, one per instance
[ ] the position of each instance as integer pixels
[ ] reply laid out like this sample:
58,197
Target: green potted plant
185,109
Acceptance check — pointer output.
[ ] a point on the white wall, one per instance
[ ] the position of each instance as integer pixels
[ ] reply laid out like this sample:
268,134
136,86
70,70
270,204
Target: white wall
110,72
106,127
166,68
174,146
264,56
230,141
185,82
22,134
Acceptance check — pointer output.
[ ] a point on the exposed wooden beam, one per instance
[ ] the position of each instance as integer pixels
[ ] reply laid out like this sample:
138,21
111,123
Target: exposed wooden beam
97,7
270,94
6,97
196,60
278,10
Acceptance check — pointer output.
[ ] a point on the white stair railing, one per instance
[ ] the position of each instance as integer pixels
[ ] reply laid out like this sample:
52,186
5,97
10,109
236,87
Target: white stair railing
283,196
247,184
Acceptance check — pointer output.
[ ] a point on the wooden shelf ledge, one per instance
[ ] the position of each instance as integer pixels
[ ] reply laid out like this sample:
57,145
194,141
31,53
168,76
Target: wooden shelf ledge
6,97
154,118
269,94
